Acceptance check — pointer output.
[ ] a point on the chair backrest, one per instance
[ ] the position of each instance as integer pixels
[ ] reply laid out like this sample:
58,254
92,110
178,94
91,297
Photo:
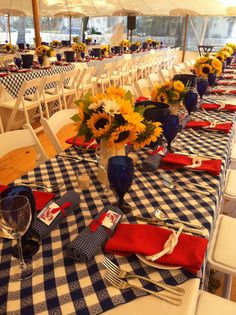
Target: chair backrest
154,79
16,139
165,75
131,89
1,125
143,88
56,122
53,81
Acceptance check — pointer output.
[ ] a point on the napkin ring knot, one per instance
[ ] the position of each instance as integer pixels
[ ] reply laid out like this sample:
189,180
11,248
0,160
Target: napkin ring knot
169,244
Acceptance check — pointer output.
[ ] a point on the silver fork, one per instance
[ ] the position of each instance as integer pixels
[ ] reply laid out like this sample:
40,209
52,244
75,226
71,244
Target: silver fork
121,284
125,274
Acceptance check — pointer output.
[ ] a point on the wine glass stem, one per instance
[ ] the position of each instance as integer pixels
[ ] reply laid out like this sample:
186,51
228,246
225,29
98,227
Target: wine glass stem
21,257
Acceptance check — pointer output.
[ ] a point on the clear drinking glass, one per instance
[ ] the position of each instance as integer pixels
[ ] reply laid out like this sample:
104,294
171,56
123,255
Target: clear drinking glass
15,218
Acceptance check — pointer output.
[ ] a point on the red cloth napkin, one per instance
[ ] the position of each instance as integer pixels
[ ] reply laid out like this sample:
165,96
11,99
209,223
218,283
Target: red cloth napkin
174,161
225,127
228,76
208,106
41,198
223,91
80,142
227,83
148,240
141,99
3,75
229,71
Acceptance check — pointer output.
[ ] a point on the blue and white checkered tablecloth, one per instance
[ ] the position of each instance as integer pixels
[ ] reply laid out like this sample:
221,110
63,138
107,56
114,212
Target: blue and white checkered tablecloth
14,81
61,285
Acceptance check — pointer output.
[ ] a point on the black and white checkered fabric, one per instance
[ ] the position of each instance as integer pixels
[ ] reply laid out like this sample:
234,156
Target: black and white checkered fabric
14,81
61,285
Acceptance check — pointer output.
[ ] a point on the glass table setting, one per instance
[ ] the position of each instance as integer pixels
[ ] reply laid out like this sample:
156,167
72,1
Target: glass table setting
61,284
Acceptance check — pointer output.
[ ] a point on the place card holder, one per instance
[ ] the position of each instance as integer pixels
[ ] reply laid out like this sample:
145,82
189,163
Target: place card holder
92,238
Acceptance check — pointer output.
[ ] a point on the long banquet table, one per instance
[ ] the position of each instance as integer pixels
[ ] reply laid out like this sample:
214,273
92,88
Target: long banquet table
61,285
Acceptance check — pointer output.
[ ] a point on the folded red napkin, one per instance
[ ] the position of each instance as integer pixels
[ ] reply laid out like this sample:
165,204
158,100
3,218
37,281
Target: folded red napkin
225,127
3,75
80,142
218,91
174,161
141,99
227,83
229,71
148,240
208,106
228,76
41,198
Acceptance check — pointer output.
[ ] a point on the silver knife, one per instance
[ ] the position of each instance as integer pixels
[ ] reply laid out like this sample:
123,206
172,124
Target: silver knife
164,224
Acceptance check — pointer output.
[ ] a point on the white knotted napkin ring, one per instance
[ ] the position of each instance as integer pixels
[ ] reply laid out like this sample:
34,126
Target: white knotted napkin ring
196,162
212,124
169,244
221,106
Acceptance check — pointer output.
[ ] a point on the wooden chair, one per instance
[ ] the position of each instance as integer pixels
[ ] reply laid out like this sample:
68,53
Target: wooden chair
20,110
16,139
56,122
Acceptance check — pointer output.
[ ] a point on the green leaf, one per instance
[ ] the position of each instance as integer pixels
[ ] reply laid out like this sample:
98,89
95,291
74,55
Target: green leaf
83,130
128,96
75,118
140,109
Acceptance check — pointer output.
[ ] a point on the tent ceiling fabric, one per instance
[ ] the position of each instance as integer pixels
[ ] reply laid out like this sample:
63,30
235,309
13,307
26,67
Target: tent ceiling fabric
110,7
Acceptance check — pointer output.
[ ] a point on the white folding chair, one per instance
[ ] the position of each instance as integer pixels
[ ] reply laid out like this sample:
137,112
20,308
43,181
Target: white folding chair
143,88
20,110
16,139
165,75
154,79
57,121
87,81
222,255
69,86
131,89
208,304
51,91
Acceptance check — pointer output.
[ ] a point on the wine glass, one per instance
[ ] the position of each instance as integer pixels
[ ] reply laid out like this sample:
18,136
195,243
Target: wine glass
190,101
202,87
29,245
120,171
15,218
171,126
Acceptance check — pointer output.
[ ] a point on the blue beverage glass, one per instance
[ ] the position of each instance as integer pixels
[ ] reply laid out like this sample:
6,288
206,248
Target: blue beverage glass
120,172
202,87
58,57
18,62
190,101
211,79
171,126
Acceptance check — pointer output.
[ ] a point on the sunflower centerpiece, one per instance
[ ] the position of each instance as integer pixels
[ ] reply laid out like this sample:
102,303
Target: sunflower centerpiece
208,67
44,52
113,120
105,49
171,92
79,48
125,43
56,43
9,47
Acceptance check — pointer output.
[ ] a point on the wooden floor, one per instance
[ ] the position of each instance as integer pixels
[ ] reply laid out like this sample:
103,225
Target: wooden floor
19,162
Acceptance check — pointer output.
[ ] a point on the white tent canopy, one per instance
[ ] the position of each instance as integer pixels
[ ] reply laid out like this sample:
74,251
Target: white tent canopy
123,7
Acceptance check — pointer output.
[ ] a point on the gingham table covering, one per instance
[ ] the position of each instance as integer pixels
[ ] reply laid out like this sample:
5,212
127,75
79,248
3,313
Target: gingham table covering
62,286
13,81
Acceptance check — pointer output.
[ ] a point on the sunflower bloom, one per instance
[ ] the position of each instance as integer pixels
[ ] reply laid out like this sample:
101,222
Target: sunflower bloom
205,69
115,91
175,96
150,134
99,124
162,97
122,135
178,86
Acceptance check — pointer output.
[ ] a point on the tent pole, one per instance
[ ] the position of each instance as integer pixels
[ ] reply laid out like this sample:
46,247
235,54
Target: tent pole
35,8
185,37
70,26
9,27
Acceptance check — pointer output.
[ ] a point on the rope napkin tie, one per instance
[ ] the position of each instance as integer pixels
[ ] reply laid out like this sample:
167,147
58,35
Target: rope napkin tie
169,244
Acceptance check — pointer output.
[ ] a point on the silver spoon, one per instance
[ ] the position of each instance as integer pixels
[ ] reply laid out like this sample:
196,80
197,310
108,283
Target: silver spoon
162,217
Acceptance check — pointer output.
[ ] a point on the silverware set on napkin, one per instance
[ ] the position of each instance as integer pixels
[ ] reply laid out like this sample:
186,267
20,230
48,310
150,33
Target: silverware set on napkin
117,276
43,185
